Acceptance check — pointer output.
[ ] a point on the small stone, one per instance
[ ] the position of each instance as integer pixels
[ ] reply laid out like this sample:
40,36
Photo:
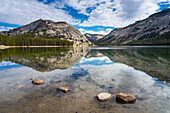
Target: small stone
37,82
65,89
113,91
31,78
104,96
126,98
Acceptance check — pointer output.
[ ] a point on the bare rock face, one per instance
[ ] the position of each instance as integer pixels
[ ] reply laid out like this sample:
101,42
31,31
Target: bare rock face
104,96
52,29
65,89
93,37
37,82
155,25
126,98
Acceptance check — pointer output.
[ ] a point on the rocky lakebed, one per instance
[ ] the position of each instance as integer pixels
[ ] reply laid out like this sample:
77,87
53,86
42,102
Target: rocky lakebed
85,80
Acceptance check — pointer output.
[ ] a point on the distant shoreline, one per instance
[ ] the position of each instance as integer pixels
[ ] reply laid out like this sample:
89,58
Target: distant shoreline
5,47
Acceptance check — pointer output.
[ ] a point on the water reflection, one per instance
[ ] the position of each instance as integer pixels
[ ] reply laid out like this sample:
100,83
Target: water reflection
154,61
88,73
43,59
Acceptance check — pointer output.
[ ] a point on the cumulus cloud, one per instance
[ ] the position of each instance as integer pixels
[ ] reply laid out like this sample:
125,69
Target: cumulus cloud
83,5
25,11
96,32
117,13
113,13
2,28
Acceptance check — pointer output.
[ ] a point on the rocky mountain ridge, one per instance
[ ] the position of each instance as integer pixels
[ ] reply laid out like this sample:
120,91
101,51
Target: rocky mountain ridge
144,31
93,37
48,28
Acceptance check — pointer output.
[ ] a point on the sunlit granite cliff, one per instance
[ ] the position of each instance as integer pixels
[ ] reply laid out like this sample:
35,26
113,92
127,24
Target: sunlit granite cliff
48,28
153,30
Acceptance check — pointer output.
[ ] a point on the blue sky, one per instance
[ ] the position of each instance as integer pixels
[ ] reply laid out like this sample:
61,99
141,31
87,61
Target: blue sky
89,16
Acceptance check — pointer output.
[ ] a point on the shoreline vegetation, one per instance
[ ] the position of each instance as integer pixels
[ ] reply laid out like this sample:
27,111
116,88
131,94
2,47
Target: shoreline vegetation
5,47
31,40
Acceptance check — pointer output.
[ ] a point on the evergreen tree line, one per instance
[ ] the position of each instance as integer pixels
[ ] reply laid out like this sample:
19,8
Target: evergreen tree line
24,40
163,39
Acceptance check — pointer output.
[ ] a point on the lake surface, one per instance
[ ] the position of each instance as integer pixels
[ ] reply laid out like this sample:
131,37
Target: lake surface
141,71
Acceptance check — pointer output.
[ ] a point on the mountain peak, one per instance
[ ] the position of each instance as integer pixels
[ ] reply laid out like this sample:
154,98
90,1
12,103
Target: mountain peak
49,21
62,22
161,13
157,24
40,28
167,9
93,37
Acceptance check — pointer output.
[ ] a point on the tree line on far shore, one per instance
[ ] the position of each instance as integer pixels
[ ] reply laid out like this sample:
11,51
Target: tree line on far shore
162,39
27,40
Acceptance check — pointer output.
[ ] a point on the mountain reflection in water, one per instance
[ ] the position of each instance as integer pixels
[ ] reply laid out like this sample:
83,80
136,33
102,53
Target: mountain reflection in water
88,72
154,61
43,59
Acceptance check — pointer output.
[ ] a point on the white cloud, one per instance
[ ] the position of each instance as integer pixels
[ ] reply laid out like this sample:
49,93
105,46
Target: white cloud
163,2
96,32
2,28
82,5
113,13
25,11
125,13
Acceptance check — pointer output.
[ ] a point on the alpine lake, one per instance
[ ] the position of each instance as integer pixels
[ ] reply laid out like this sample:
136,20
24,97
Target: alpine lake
140,71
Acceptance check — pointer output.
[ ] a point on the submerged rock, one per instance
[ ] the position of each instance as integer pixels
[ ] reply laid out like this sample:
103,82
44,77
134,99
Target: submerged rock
65,89
125,98
37,82
104,96
142,96
113,91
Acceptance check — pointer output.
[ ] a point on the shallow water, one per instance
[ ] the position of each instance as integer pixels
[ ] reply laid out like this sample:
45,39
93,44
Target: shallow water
140,71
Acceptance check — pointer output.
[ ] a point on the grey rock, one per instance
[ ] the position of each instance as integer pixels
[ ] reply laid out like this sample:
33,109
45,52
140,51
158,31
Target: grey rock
127,98
154,25
93,37
53,29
